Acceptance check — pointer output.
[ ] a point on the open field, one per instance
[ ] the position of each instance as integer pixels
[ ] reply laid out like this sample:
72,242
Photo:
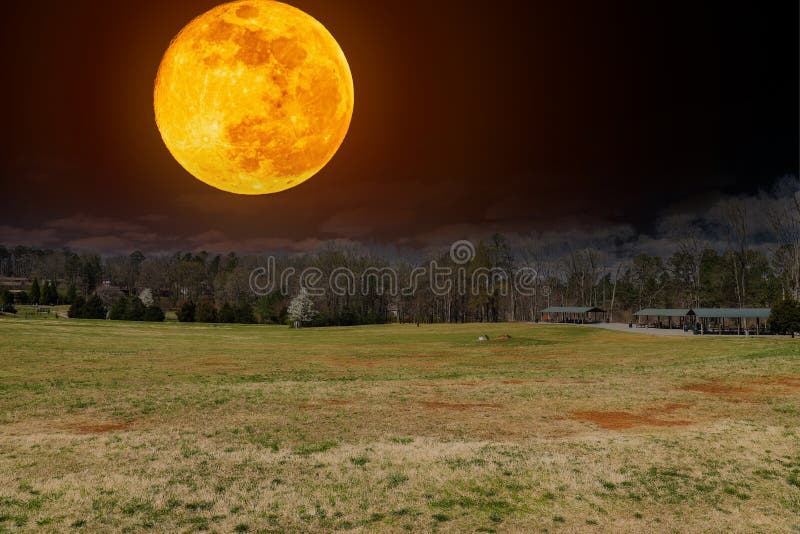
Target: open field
175,427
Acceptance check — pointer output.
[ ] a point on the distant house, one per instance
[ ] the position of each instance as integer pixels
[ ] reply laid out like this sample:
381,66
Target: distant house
14,283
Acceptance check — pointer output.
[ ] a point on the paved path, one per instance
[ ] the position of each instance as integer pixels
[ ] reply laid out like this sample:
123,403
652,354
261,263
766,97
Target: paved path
623,327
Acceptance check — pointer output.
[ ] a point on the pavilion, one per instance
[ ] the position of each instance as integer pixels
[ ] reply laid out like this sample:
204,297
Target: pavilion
572,314
682,315
707,320
714,318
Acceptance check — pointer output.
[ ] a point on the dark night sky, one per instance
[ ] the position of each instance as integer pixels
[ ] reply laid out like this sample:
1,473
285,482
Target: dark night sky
470,116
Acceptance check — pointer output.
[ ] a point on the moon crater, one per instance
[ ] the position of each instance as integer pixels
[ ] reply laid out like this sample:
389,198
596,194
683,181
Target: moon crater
253,97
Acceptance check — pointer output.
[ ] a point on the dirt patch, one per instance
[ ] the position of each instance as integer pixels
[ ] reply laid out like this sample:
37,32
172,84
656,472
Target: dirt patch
715,388
407,360
326,403
504,337
624,420
787,381
436,384
672,407
460,406
513,381
352,363
102,428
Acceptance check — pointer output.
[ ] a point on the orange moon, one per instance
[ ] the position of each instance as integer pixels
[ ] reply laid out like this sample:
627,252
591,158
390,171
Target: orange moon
253,97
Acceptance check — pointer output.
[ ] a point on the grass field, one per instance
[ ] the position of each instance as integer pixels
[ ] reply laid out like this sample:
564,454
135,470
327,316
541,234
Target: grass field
108,426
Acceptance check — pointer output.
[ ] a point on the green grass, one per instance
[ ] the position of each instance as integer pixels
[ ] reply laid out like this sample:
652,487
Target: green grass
180,427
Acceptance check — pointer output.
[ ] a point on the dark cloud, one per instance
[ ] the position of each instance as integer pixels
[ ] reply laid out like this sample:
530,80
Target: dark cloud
527,118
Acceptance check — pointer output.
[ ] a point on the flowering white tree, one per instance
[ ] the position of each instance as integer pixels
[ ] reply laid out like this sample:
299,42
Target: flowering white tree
301,309
146,296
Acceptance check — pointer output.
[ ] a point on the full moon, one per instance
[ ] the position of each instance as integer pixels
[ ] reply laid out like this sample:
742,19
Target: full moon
253,97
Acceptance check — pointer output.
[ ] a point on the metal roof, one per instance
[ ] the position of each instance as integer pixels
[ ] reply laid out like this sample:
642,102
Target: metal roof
571,309
664,312
733,313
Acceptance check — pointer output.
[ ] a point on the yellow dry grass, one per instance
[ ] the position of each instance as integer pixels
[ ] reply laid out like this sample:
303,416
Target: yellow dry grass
130,427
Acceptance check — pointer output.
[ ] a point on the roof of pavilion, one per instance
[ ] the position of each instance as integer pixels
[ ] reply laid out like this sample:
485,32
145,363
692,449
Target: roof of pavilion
572,309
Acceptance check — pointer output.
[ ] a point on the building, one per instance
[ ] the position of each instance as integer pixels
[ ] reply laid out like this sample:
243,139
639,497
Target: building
706,320
666,317
573,314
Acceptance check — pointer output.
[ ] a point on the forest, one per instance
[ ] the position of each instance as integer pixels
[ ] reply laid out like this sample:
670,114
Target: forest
742,252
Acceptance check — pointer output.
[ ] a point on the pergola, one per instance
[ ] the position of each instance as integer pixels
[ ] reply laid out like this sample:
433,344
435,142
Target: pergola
709,316
709,319
572,314
669,313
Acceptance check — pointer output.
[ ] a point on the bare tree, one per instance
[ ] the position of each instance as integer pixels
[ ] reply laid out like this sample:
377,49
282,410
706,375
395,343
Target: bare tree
691,245
737,226
783,216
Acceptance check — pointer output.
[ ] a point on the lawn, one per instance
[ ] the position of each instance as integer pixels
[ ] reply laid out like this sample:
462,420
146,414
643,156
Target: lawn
174,427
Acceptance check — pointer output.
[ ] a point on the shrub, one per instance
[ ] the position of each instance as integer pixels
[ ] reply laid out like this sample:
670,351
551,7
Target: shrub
76,308
243,314
154,314
785,317
132,309
87,309
135,309
272,308
119,311
226,314
7,296
205,312
186,312
94,308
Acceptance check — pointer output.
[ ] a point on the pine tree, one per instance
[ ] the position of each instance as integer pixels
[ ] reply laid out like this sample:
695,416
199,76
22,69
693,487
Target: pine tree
94,308
49,294
35,292
72,294
77,309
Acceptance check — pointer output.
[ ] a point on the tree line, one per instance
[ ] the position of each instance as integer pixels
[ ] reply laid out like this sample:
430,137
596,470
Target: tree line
747,256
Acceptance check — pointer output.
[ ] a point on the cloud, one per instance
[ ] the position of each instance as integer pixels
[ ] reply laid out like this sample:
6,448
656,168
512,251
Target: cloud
91,225
218,241
153,217
106,243
24,236
390,230
366,220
